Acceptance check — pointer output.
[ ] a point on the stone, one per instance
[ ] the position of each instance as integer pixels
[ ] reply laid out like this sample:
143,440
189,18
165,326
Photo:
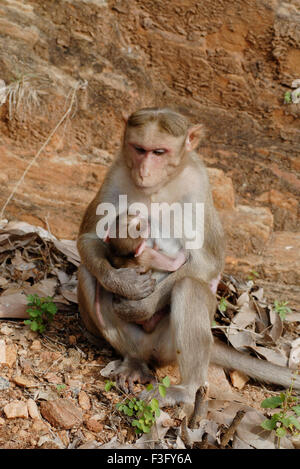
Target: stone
36,345
8,354
33,409
62,413
24,382
4,383
94,425
6,330
84,400
40,427
222,189
16,409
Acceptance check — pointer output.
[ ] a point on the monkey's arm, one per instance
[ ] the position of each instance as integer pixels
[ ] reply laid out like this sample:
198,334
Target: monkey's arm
142,310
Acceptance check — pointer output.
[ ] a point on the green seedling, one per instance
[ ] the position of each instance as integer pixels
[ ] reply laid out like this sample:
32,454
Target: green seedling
142,414
60,388
222,305
285,421
282,309
288,97
41,312
253,274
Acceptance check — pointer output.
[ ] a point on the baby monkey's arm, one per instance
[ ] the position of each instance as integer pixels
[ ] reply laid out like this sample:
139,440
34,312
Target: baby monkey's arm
157,260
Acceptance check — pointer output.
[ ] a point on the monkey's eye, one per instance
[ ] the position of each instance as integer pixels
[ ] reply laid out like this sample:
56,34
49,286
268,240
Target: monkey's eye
160,151
140,150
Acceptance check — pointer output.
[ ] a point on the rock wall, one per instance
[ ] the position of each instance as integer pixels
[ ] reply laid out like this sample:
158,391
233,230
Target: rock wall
227,63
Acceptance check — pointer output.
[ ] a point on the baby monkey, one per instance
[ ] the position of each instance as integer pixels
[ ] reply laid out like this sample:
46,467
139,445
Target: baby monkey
132,247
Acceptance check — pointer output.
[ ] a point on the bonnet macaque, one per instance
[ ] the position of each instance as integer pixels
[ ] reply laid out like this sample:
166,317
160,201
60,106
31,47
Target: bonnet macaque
158,164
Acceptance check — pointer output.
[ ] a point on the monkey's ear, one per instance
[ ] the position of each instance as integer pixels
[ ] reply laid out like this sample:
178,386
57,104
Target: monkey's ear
195,134
140,249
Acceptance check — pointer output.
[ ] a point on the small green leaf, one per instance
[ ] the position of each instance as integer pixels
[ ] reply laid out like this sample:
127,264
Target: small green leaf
34,326
288,97
149,387
268,424
222,305
108,385
280,432
294,422
296,409
154,404
272,402
166,381
162,390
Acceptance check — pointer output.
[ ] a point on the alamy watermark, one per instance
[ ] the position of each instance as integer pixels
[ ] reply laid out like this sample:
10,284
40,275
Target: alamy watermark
178,220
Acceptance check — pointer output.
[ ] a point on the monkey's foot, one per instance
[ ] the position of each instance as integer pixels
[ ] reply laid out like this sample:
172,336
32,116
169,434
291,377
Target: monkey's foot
131,371
176,395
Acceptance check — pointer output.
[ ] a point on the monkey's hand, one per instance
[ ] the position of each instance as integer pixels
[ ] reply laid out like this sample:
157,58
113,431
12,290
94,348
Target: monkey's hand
130,283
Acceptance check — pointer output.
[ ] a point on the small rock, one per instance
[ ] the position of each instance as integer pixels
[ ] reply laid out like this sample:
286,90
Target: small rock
4,383
36,345
84,400
33,409
53,378
2,421
8,354
40,427
16,409
63,435
6,330
47,443
24,382
61,413
94,425
238,379
72,340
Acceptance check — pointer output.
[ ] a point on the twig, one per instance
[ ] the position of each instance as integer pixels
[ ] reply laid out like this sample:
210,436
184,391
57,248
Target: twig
232,428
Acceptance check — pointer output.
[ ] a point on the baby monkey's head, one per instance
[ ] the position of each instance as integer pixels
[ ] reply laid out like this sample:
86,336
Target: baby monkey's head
130,235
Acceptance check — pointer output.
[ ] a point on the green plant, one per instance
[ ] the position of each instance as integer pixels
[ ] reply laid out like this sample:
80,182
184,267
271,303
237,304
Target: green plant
41,312
288,97
60,388
285,421
142,414
282,309
252,275
222,305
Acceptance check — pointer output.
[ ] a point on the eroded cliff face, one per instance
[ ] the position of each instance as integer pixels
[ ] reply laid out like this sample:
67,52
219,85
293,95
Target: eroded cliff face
229,63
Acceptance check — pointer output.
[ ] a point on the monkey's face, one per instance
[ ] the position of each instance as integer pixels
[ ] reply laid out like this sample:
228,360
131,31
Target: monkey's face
151,155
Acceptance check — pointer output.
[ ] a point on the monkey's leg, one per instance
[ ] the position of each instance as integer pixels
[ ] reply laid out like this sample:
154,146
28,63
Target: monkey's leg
128,339
192,308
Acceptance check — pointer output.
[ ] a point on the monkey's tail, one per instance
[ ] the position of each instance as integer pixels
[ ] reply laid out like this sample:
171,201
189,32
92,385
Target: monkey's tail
259,369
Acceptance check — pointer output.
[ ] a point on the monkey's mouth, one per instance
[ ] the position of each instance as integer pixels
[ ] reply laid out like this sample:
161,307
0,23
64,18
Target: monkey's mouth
144,181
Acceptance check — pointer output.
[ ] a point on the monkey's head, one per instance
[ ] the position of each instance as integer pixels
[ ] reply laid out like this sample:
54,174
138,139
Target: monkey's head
130,235
156,142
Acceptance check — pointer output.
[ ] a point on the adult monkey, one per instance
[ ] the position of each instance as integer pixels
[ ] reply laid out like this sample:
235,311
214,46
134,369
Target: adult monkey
157,163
